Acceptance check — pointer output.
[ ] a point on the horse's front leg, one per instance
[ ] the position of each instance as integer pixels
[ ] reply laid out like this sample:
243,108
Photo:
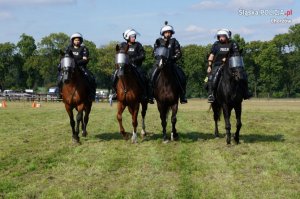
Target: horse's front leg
238,113
226,113
174,134
121,108
86,119
72,122
144,110
163,117
134,110
79,118
217,111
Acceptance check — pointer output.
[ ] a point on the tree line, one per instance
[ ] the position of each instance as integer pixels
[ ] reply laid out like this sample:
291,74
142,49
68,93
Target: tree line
273,66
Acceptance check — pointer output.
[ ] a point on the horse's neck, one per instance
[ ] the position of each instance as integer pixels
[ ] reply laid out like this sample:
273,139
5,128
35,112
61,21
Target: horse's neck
128,79
167,79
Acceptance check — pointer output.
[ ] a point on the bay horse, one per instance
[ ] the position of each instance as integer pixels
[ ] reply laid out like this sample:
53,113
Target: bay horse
129,93
75,95
166,90
229,95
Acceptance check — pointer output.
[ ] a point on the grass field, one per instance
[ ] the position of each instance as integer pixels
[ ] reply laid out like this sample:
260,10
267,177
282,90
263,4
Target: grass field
38,159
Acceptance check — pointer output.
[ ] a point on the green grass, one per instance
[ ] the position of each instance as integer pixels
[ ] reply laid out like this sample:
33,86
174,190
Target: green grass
39,160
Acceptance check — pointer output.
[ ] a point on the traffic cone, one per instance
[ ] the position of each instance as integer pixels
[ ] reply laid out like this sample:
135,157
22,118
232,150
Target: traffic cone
33,104
3,104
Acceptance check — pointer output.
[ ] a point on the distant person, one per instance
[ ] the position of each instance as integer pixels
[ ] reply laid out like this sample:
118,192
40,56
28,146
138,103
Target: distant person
136,54
173,45
220,50
81,57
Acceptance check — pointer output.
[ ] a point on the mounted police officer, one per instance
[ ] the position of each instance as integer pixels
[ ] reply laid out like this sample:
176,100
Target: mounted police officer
136,54
219,52
81,57
173,45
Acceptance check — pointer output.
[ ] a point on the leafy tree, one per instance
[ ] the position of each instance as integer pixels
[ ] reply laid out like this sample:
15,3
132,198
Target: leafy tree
49,50
271,67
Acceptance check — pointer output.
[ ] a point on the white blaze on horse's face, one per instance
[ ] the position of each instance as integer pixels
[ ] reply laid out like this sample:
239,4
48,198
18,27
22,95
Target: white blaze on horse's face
161,63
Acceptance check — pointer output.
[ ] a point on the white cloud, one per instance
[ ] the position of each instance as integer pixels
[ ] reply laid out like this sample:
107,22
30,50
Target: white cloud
195,29
206,5
4,15
296,20
35,2
259,4
236,4
243,31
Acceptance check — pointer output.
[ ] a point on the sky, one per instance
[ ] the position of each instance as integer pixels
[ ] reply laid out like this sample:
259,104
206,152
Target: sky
102,21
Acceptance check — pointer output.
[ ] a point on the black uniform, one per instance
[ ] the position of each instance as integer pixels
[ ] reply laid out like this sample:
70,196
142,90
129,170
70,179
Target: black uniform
174,54
78,54
221,51
136,54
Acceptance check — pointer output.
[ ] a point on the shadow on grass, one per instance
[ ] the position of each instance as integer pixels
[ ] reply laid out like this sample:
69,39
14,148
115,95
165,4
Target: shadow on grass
109,136
184,137
195,136
252,138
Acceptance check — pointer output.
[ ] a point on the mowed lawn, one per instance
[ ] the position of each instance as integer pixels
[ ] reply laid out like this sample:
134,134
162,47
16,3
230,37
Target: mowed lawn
39,160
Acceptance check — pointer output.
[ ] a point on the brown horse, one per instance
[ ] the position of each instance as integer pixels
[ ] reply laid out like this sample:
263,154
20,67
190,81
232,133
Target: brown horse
129,93
166,91
74,95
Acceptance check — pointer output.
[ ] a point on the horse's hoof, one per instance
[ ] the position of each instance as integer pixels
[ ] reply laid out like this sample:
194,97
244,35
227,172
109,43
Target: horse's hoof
84,133
76,141
174,137
125,135
166,141
236,140
143,133
134,138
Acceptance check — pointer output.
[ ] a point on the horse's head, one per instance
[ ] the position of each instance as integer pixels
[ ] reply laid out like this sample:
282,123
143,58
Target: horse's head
67,64
121,59
162,56
236,66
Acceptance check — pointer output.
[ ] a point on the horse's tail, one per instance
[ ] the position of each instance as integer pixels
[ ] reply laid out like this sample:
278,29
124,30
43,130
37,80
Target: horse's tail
209,108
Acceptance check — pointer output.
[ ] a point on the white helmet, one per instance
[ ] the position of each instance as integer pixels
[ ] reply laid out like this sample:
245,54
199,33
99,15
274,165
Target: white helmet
225,32
165,28
129,32
76,35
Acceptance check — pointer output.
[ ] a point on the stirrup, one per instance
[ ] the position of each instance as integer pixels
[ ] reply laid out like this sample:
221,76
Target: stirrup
183,100
151,100
211,98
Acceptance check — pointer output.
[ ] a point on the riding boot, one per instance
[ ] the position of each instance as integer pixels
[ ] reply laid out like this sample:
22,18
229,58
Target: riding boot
91,82
210,91
150,93
142,79
114,90
59,85
182,83
216,77
152,85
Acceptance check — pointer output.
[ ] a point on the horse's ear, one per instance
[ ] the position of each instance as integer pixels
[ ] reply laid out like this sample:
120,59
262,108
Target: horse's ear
61,52
117,48
126,47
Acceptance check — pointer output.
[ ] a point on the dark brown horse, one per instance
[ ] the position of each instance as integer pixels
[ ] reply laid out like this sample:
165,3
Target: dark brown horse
74,95
166,91
229,95
129,93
